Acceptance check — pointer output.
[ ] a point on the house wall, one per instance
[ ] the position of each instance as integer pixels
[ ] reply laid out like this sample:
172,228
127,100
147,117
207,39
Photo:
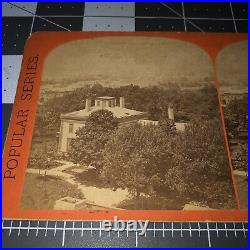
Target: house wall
66,134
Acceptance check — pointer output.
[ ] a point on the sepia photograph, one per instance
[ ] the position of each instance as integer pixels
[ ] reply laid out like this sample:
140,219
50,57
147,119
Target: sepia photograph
232,68
135,123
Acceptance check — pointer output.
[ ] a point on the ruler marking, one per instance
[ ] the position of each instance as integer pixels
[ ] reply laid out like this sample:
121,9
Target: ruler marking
63,236
55,228
73,232
233,228
235,231
37,228
82,230
199,229
217,231
226,230
100,229
118,232
46,230
244,231
28,231
149,229
10,227
136,239
208,236
19,229
190,230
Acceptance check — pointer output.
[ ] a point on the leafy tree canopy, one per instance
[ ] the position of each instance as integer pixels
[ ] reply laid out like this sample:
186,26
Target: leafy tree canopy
135,156
188,104
90,140
200,163
101,119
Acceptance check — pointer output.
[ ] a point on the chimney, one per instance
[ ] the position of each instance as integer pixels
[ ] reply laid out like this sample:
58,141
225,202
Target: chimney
122,102
170,113
88,104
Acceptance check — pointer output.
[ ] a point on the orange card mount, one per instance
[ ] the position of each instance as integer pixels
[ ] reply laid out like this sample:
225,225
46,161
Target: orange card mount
143,126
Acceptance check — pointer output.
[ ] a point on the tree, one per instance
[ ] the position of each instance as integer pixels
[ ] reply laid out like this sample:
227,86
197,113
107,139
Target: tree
236,113
136,158
199,103
90,140
200,165
240,157
49,112
167,125
101,120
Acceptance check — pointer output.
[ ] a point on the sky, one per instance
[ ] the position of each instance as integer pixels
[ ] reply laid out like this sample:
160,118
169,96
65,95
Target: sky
127,60
232,66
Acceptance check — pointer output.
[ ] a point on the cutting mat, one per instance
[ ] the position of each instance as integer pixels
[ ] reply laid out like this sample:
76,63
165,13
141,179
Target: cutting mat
21,19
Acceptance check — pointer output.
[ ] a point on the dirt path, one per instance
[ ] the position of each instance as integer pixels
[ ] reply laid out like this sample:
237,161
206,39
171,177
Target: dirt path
100,196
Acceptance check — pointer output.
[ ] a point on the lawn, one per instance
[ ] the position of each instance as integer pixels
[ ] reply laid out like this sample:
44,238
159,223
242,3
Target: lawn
90,177
42,163
41,192
43,153
172,202
43,145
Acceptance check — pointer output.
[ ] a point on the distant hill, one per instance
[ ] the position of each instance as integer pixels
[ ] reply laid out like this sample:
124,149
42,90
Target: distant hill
72,84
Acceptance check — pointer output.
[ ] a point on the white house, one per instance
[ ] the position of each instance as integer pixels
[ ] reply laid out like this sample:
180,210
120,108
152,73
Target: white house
71,122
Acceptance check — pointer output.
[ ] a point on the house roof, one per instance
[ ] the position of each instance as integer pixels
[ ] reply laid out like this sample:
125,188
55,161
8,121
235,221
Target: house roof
117,111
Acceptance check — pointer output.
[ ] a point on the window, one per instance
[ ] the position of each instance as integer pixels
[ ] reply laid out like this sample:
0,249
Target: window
71,127
98,103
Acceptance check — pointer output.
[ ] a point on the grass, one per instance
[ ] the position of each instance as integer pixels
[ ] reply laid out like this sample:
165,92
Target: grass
41,192
43,145
40,165
154,203
90,177
43,153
